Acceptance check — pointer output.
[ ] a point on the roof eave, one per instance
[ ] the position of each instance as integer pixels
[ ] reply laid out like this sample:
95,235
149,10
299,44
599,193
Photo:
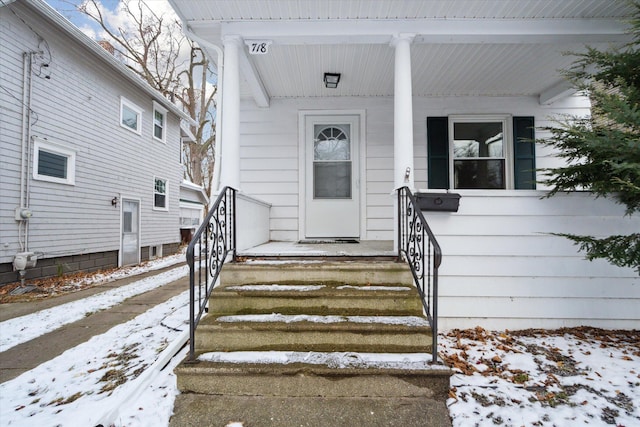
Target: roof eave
52,15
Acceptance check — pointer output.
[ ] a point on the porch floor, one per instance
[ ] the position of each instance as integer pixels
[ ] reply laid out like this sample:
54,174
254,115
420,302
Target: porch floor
365,248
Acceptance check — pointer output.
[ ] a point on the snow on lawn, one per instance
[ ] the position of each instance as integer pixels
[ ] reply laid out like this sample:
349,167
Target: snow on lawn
577,376
82,386
22,329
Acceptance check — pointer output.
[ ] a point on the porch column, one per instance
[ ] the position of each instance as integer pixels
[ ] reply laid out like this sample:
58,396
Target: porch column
230,136
403,170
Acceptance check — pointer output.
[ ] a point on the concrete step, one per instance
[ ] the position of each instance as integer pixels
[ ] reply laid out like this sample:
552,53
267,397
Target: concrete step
353,272
194,410
331,375
324,298
313,343
391,334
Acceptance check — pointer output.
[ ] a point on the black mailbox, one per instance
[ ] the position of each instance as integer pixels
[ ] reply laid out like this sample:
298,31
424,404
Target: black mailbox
442,202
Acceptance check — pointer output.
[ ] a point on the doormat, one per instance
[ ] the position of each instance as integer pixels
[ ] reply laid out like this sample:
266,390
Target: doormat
327,241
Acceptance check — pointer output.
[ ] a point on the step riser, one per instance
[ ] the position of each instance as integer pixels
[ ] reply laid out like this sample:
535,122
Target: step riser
194,410
307,384
341,306
360,273
246,339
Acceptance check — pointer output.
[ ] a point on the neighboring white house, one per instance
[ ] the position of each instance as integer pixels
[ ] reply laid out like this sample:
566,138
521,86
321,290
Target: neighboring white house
433,95
193,201
90,168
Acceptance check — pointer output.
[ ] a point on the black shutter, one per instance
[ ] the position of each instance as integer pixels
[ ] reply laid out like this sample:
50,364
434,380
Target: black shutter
438,152
524,153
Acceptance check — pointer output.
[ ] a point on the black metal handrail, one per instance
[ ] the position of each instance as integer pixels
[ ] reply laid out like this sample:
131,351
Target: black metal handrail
210,246
422,252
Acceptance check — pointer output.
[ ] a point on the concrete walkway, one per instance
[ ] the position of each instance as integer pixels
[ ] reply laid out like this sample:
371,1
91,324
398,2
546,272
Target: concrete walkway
30,354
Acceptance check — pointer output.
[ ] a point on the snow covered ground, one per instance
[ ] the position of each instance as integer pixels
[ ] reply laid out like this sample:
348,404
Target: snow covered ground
82,386
539,379
559,378
567,377
25,328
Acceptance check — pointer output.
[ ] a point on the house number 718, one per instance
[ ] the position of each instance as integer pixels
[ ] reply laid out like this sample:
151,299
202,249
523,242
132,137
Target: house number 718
258,47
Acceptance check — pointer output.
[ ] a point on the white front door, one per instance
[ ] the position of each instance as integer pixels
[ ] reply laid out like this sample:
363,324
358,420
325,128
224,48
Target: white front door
130,253
332,204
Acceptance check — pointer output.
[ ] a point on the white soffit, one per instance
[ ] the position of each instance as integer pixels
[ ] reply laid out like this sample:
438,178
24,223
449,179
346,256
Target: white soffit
462,47
242,10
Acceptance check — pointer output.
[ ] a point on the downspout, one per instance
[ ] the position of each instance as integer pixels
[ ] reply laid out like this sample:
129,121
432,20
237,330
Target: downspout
220,66
25,152
30,156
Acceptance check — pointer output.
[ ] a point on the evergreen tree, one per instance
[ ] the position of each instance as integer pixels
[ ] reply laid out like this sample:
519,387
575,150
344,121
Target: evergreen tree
603,151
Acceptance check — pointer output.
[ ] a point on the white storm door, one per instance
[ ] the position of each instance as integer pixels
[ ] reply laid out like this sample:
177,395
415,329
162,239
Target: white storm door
332,193
130,232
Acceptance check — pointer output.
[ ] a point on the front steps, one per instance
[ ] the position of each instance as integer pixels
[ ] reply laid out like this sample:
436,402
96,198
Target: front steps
311,332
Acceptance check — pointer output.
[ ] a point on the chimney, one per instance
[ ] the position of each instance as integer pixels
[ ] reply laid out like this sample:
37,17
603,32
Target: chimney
107,46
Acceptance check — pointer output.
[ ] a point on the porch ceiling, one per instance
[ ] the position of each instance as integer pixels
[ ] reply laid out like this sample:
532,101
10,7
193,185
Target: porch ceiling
461,47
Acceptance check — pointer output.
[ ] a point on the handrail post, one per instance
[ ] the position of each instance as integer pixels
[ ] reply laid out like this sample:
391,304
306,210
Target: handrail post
233,227
434,338
192,294
400,222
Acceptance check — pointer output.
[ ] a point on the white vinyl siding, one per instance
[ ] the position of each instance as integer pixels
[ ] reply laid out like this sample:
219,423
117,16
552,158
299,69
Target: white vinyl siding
502,267
130,116
269,150
111,161
53,163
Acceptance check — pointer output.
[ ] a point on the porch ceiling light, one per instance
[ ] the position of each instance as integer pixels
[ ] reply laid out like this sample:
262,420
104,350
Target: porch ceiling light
331,80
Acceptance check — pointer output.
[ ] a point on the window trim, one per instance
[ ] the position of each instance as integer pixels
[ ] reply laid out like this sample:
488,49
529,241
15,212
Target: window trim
42,145
160,109
130,105
507,145
166,194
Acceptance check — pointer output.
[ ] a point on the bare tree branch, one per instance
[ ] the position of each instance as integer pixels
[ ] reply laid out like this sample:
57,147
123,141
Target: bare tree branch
152,46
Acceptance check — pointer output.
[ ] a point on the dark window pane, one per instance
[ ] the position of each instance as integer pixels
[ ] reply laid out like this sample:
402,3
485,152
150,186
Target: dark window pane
51,164
127,219
487,174
477,139
159,200
160,186
332,180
